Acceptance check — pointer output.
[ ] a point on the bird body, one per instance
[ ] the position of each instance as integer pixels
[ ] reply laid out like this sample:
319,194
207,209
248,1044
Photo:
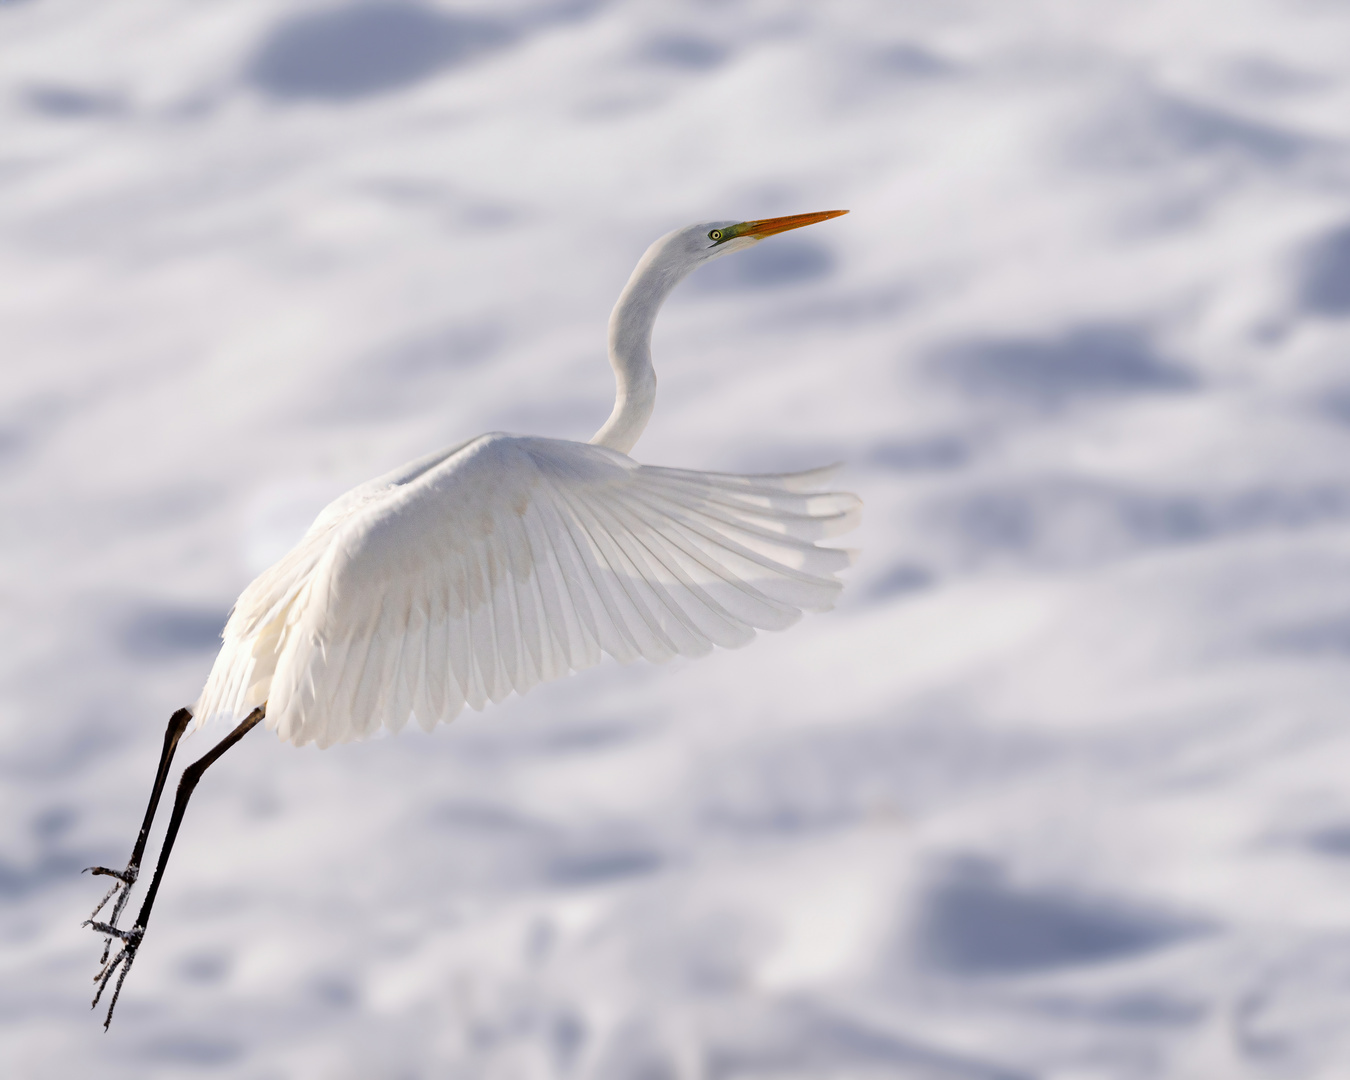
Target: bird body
511,560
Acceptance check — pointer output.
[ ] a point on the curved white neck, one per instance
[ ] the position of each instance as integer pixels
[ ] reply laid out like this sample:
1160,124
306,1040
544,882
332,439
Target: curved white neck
630,349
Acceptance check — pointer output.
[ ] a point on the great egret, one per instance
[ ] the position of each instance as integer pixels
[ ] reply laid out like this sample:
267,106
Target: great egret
502,562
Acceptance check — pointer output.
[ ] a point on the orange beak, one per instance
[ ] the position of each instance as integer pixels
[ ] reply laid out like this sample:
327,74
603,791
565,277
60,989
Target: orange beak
772,225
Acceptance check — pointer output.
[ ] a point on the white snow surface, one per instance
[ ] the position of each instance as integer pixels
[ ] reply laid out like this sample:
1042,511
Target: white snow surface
1061,789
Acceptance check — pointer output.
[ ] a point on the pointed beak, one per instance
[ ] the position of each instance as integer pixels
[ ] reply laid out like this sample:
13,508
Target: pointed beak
772,225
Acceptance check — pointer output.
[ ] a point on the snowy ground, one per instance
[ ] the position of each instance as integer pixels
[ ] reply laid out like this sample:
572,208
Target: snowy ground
1062,787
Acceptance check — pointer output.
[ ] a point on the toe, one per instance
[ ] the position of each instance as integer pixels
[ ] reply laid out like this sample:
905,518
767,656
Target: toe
103,871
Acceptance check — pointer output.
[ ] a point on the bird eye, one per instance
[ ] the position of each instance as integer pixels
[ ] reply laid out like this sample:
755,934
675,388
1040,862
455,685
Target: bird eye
716,234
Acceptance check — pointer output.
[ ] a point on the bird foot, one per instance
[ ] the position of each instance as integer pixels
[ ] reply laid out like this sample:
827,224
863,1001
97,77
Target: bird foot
123,880
121,888
119,965
126,936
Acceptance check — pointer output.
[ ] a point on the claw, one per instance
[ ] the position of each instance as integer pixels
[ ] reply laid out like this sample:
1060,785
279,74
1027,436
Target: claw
123,881
126,877
104,902
130,941
130,937
121,888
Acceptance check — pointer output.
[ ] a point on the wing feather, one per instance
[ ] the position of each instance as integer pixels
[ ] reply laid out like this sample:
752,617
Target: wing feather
745,563
714,621
520,587
478,640
507,561
559,617
623,589
503,661
611,632
663,585
457,631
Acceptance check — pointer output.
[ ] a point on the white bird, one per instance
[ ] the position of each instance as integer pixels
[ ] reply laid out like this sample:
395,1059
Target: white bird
503,562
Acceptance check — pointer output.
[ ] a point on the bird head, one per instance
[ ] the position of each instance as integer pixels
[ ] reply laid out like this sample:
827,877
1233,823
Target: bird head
659,270
685,249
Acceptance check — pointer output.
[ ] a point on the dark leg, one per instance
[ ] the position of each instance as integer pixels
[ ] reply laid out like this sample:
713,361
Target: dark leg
178,723
131,939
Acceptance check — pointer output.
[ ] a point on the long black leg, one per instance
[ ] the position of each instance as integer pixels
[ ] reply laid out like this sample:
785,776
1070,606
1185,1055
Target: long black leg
131,939
178,723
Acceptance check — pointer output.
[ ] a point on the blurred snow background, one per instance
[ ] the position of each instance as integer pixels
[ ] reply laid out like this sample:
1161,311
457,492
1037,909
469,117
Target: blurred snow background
1061,789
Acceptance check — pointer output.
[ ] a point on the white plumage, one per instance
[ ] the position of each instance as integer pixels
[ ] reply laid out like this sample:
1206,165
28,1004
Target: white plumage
509,560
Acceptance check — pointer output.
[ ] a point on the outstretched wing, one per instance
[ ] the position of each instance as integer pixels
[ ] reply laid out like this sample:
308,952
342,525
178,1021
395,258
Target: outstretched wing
509,561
